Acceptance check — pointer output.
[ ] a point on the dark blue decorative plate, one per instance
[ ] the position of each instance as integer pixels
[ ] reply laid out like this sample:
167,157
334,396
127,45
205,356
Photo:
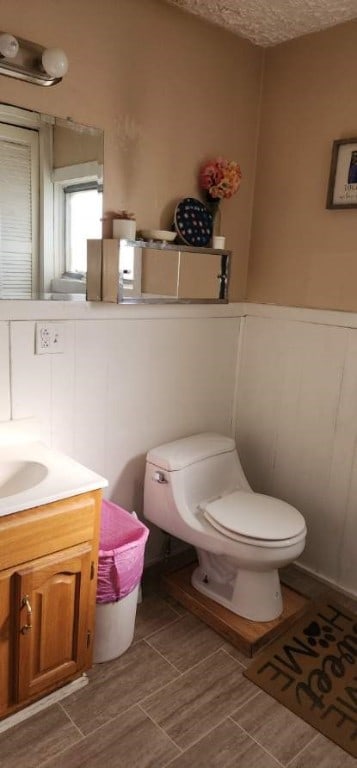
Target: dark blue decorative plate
193,222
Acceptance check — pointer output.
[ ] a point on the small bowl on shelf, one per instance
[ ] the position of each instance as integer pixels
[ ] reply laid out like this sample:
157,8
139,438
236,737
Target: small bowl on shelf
161,235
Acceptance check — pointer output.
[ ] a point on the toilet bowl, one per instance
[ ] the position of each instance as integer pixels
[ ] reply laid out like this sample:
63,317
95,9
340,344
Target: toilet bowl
195,489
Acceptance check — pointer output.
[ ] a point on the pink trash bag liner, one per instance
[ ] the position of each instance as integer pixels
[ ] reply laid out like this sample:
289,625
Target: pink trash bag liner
121,553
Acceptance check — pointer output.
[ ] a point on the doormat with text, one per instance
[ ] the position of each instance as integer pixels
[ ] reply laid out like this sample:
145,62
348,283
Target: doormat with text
312,670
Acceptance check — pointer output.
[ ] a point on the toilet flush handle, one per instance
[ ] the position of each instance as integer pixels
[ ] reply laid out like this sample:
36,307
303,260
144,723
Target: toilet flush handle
159,477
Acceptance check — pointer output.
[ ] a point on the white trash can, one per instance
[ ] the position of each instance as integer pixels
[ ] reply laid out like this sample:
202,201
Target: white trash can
120,567
115,625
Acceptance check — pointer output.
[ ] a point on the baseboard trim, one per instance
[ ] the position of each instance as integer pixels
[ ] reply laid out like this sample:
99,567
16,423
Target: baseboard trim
324,580
47,701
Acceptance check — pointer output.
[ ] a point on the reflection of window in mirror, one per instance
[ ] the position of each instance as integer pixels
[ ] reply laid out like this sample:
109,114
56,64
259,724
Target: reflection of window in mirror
82,223
50,201
77,185
77,215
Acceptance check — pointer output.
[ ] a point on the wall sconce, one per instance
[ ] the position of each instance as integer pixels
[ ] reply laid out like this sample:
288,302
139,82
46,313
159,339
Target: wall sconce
31,62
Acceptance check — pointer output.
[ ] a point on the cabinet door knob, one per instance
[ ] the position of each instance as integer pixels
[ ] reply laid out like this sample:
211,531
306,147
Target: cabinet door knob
25,603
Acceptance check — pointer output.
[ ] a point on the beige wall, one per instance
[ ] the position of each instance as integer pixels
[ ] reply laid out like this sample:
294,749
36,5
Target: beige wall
168,89
301,253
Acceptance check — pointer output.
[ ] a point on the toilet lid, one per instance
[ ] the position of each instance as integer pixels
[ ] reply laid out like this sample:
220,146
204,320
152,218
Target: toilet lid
189,450
254,515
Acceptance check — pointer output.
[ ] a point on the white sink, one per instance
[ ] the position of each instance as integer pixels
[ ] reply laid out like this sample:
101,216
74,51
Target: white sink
32,474
18,476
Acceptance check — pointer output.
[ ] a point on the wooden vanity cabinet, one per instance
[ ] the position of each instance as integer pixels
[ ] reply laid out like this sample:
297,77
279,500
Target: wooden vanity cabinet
48,568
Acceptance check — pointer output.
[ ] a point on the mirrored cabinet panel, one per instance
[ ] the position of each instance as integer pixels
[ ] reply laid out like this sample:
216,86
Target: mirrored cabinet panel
160,272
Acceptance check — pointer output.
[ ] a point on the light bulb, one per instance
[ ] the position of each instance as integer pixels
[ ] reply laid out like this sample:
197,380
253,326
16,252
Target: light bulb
9,46
55,62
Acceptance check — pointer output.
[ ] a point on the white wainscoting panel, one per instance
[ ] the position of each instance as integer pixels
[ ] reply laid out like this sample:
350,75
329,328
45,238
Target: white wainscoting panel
42,385
5,408
123,386
296,430
345,468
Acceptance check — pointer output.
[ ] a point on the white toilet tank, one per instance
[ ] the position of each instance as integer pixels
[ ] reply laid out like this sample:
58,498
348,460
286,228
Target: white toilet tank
181,474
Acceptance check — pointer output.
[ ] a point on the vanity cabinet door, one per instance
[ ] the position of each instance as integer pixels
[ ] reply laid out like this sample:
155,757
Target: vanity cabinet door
52,599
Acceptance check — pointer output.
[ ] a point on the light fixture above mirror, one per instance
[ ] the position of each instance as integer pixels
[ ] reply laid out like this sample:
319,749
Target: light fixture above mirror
32,62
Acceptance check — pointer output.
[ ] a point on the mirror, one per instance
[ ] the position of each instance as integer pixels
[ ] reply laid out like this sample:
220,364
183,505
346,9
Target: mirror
51,202
51,183
151,271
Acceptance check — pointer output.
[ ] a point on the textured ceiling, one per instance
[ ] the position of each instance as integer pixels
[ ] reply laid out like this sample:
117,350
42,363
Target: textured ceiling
268,22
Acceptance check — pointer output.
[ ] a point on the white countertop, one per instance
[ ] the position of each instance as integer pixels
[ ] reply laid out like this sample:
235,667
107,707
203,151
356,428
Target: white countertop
32,474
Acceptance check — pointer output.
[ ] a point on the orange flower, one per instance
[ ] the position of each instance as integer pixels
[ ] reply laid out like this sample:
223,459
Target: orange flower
220,178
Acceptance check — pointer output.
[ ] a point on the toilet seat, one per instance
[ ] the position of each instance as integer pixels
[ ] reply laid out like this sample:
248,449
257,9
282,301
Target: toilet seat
243,515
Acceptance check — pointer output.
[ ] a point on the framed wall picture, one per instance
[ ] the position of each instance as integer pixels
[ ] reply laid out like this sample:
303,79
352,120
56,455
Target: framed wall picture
342,187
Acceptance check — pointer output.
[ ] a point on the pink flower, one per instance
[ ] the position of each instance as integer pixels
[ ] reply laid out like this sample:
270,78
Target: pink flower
220,178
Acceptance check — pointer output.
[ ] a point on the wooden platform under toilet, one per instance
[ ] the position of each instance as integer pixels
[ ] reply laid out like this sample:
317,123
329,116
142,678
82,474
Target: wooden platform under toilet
248,636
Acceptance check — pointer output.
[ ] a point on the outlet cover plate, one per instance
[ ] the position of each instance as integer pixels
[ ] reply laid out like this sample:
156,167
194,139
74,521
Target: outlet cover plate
49,338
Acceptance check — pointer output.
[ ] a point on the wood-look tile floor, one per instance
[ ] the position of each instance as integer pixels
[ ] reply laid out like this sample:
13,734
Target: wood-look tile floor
176,698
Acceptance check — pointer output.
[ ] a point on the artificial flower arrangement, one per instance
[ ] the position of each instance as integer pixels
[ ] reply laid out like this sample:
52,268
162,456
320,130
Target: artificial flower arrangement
220,178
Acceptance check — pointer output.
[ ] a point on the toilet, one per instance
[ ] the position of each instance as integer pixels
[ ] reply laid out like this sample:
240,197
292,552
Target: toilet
195,489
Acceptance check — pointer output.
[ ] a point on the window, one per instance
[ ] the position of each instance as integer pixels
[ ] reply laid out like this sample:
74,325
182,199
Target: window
78,199
83,210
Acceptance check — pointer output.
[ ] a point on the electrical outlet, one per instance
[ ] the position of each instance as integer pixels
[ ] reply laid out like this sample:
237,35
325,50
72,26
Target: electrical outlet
49,338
